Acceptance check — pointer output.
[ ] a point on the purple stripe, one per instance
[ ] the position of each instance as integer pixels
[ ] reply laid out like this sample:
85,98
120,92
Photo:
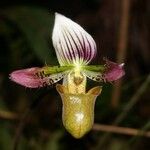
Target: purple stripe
63,53
72,50
88,50
81,50
75,46
58,53
84,48
66,43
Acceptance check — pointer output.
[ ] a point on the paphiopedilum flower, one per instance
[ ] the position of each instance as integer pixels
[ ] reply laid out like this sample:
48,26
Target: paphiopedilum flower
75,49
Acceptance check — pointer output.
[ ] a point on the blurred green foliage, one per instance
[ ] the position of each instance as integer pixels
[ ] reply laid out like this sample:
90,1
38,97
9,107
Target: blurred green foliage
35,25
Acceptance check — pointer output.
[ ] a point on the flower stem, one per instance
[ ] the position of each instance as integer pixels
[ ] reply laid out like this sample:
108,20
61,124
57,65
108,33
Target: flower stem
122,45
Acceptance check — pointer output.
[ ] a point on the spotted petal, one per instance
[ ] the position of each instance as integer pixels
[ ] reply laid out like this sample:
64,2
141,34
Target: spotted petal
108,72
38,77
95,76
72,43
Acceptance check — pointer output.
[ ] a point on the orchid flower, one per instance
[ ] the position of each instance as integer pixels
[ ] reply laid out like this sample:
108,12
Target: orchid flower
75,49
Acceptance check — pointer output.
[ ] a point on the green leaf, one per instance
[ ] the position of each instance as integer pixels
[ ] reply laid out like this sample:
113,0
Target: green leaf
36,24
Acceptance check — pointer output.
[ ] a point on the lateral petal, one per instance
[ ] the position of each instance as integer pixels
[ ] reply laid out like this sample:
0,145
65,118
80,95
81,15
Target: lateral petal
35,77
113,71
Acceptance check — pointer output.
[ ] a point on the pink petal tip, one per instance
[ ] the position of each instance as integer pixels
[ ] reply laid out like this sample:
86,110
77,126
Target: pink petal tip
113,71
27,77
